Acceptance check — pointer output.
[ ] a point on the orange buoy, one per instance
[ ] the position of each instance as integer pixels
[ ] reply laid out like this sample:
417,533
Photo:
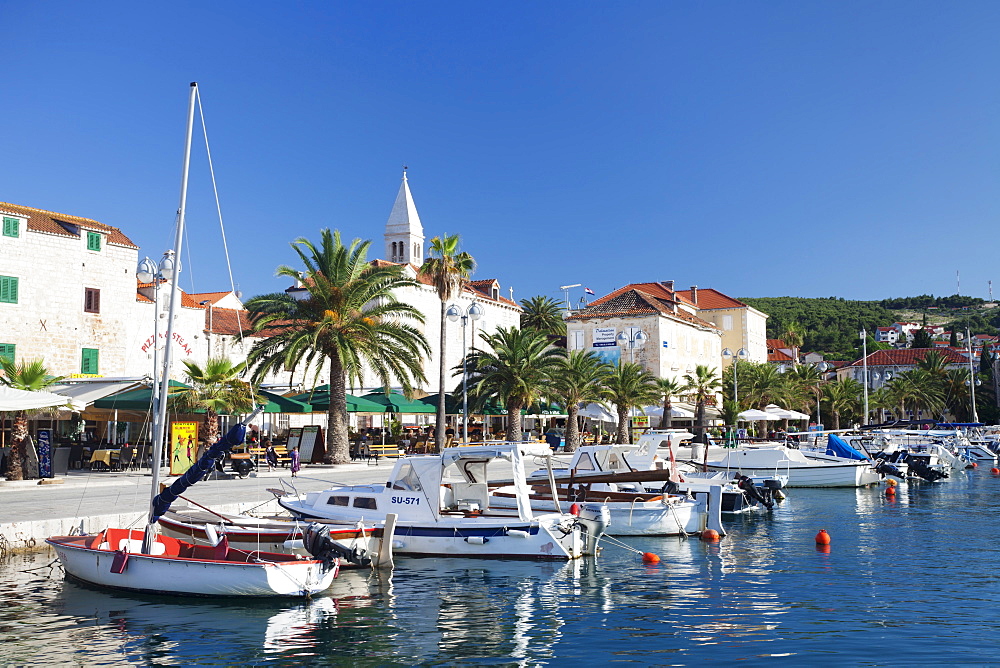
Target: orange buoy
822,538
575,509
890,482
650,558
710,535
995,470
890,491
974,465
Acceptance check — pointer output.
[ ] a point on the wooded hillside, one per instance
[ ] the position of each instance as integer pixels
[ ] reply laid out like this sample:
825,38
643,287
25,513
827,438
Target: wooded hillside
831,325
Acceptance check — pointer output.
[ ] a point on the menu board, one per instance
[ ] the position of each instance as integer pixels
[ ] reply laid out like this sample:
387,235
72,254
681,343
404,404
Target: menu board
294,438
307,449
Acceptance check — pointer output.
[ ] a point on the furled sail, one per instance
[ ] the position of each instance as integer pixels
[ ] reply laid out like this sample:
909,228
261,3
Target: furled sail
234,437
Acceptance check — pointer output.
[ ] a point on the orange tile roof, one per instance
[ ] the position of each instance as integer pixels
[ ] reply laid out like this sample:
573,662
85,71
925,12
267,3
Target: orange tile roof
710,298
909,357
227,321
633,301
50,222
212,297
776,343
778,356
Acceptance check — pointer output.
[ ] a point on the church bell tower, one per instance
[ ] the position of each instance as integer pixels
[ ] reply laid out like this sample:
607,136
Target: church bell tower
404,235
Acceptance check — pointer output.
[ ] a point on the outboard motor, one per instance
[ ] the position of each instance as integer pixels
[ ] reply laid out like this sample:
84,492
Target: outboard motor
316,539
884,468
921,469
243,467
761,495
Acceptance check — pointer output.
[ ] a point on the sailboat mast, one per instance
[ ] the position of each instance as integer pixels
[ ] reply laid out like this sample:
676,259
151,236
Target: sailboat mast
164,369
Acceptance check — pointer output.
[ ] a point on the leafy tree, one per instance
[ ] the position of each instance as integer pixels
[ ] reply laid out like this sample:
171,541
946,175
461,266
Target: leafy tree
917,390
349,317
793,339
629,386
544,314
921,339
577,378
953,340
32,377
515,367
668,388
216,389
448,269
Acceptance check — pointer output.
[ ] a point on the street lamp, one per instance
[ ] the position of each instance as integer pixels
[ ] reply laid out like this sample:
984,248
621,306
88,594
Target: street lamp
474,312
149,272
740,354
210,313
864,363
632,338
822,367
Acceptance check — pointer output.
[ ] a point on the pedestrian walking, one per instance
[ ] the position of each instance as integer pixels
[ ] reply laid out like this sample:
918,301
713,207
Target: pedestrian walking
296,464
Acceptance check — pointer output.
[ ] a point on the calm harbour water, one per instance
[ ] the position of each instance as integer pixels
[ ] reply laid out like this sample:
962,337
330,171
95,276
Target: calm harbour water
910,580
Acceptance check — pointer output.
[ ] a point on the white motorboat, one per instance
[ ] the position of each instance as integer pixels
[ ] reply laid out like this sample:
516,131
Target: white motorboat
143,561
444,507
800,470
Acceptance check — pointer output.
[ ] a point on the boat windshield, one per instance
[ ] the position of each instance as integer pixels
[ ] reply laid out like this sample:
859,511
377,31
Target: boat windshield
407,479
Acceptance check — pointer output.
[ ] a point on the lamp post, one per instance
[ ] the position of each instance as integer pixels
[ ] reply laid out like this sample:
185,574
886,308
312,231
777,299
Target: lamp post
632,338
864,364
973,381
210,313
474,312
149,272
822,367
740,354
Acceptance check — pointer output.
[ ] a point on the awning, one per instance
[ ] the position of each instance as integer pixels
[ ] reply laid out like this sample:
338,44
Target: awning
397,403
753,415
710,411
132,400
85,392
785,413
279,404
597,412
675,412
319,399
13,400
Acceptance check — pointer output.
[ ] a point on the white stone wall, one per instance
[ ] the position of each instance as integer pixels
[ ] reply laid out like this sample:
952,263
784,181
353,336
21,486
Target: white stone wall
686,345
49,322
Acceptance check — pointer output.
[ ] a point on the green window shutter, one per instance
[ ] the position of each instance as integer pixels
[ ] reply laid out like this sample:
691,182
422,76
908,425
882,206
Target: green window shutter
11,227
93,241
7,350
89,363
8,289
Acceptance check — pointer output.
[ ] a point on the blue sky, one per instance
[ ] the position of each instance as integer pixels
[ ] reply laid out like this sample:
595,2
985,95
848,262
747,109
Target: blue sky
810,149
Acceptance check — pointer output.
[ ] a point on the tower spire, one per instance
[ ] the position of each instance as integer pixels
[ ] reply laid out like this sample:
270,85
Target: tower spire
404,235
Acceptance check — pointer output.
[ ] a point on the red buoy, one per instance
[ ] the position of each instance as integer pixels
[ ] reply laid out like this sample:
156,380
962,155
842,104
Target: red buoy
890,491
974,465
650,558
575,509
995,471
822,538
710,535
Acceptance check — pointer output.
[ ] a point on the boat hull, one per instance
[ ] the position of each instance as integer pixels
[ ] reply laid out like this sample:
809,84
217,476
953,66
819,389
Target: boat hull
261,574
831,475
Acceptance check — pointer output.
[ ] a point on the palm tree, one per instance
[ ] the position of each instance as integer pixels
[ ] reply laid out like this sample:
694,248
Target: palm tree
957,397
668,388
843,397
764,385
629,386
703,383
793,338
448,270
31,376
515,366
216,389
544,314
349,317
917,390
577,378
806,387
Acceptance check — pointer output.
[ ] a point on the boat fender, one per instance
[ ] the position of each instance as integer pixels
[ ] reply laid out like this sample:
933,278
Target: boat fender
398,544
516,533
476,540
296,544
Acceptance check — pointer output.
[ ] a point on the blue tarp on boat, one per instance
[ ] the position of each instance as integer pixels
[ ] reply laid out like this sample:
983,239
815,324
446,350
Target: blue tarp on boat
838,447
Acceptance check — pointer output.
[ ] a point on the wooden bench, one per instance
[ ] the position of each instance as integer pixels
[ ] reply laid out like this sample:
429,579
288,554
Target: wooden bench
376,450
260,455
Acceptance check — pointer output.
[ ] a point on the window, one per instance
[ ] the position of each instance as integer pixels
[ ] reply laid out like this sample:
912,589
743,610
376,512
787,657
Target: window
93,241
727,322
89,362
7,350
92,300
11,227
8,289
336,501
365,502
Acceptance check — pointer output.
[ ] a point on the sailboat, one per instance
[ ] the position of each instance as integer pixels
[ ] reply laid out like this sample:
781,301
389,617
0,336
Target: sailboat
145,561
